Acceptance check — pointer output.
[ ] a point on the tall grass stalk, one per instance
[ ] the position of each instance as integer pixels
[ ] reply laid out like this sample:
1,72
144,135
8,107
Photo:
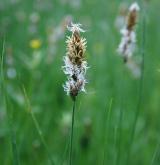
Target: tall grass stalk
140,85
9,114
67,144
71,136
29,109
106,129
118,130
119,136
65,151
115,143
155,154
75,68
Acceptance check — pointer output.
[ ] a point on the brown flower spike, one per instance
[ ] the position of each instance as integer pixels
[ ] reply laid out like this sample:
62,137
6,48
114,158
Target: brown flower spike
127,45
75,65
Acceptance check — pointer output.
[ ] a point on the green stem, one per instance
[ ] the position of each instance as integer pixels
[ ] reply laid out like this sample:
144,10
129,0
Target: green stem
120,137
140,90
72,129
65,151
106,130
12,134
37,127
155,154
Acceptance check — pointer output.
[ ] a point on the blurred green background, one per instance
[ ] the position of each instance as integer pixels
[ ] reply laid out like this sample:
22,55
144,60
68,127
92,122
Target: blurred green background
32,37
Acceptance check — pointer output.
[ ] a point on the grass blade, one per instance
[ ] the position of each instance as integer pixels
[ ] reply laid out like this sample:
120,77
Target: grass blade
119,137
106,130
9,114
140,89
156,152
29,109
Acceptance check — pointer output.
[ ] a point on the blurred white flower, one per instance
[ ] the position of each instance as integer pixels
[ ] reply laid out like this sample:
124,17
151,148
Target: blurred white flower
121,18
55,35
128,42
65,122
34,17
135,7
11,73
134,68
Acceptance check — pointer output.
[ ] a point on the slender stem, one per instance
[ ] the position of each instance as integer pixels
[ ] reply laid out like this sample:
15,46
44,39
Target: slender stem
37,126
140,90
41,136
65,151
115,143
106,130
155,154
2,60
71,137
119,136
9,115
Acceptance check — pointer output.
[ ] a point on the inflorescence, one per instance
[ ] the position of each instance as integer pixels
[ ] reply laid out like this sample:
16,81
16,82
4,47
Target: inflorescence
128,41
75,65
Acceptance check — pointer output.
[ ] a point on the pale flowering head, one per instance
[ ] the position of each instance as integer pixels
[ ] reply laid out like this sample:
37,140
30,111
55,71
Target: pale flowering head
75,65
128,42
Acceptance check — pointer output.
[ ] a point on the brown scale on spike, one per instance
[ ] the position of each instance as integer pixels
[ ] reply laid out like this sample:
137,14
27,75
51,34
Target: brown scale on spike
76,47
132,17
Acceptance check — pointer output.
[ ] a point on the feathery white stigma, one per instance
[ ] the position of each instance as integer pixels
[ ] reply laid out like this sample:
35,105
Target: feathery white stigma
75,27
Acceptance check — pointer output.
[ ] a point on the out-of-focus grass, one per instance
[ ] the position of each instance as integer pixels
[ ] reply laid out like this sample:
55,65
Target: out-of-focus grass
39,69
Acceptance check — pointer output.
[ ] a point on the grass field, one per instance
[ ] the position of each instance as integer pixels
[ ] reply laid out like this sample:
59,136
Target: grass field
116,120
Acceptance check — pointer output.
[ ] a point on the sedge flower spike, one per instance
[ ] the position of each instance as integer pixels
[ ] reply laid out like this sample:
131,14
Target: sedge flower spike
75,65
128,42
